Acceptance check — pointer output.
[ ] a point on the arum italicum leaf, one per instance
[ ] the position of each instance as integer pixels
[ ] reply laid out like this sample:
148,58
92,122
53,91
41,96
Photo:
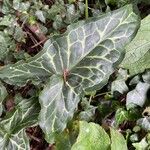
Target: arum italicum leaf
3,94
12,133
79,60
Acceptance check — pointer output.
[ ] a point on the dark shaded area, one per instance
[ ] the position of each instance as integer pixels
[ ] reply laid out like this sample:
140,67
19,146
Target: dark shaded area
37,141
144,9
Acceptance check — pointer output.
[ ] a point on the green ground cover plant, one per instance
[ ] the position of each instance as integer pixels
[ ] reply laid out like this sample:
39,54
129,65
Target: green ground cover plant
74,75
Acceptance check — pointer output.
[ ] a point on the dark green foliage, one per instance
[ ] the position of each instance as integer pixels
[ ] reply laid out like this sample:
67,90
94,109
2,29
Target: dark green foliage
62,79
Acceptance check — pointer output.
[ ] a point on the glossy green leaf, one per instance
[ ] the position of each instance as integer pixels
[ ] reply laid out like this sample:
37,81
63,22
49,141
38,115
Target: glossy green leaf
88,113
18,33
6,20
118,3
146,76
144,123
63,141
120,83
142,145
120,116
18,141
138,51
20,5
91,137
87,47
117,140
3,94
5,45
135,80
25,114
137,96
39,14
80,60
58,105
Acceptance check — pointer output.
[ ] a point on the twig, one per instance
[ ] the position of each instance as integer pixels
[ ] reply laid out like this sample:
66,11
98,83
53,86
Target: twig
34,138
39,43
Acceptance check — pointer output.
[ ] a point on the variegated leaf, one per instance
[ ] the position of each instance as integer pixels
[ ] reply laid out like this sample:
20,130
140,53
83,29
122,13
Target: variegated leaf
12,134
17,141
91,46
80,60
3,94
58,104
88,66
6,44
137,58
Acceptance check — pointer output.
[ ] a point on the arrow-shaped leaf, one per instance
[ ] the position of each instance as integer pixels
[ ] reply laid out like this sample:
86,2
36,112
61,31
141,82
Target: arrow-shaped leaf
93,46
80,60
6,43
58,104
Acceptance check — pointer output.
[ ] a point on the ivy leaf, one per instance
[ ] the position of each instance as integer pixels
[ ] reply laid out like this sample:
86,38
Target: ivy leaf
57,8
39,14
146,76
6,43
21,6
6,20
3,94
117,140
138,51
91,136
12,134
16,141
120,116
88,110
18,33
138,95
135,80
81,60
142,145
119,84
144,123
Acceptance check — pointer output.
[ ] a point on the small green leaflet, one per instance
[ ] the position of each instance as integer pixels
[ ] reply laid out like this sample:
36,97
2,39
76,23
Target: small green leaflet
12,133
80,60
137,58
